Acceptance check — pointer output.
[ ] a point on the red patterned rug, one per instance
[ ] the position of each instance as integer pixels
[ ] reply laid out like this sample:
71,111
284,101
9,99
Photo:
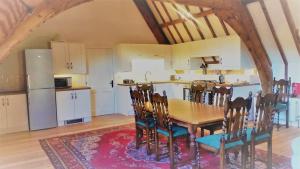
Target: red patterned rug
114,148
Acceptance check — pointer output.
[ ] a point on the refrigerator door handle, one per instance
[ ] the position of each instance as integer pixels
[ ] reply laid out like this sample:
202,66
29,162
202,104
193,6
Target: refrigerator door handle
75,95
72,96
7,101
28,81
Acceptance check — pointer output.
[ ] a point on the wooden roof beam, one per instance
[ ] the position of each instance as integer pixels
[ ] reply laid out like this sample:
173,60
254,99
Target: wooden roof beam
181,20
278,44
151,21
291,23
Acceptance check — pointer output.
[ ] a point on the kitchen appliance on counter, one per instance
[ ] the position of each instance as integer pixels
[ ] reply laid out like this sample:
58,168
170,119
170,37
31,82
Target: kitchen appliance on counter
63,82
40,89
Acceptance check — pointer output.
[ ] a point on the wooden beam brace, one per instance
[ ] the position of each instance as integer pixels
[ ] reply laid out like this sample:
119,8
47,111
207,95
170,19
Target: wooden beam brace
248,1
291,23
278,44
170,18
151,21
224,27
181,20
209,24
195,24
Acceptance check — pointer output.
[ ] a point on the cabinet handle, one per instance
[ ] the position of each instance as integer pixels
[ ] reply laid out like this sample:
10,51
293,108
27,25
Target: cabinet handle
75,95
28,81
68,67
7,101
71,65
3,102
72,96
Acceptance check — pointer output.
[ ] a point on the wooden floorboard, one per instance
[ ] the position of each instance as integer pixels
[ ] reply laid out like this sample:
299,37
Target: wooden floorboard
22,150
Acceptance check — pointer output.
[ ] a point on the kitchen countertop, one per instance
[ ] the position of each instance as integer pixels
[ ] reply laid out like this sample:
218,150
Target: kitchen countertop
73,88
12,92
190,82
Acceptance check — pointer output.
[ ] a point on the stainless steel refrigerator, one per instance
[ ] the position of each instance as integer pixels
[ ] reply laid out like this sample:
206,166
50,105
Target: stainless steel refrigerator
40,89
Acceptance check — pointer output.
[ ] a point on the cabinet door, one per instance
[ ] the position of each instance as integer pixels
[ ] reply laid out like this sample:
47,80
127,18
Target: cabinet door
82,103
17,116
65,105
60,57
77,58
2,113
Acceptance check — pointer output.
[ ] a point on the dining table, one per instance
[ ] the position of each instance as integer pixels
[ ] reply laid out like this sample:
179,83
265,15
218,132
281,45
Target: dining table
193,115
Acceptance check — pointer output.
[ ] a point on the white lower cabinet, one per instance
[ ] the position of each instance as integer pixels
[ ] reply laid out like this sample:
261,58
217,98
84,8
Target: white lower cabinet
13,113
72,105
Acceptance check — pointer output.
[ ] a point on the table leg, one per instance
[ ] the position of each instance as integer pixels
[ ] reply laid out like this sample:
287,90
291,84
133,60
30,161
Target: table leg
193,152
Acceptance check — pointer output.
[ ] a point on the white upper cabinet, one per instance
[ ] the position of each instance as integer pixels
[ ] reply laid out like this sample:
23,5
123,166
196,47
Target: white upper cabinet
2,113
125,53
231,52
68,58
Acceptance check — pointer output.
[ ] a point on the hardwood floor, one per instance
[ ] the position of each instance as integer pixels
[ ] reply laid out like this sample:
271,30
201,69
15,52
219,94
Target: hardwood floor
23,151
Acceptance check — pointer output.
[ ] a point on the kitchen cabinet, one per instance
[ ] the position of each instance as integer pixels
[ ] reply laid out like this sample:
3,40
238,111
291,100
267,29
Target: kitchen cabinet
294,114
13,113
123,100
68,58
73,104
125,53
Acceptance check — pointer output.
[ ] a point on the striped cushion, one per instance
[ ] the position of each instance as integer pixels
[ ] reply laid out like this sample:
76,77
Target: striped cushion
258,138
281,107
143,124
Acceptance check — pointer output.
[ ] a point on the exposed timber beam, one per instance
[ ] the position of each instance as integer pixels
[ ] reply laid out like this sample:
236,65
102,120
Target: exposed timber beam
41,11
209,24
195,23
275,36
151,21
291,23
181,20
248,1
236,14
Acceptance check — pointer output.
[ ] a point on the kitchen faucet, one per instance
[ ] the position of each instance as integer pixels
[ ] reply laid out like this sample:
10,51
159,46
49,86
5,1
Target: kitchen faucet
146,78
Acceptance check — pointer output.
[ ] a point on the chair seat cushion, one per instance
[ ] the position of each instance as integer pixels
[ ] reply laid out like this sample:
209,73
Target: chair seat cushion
213,141
261,137
281,107
143,124
177,131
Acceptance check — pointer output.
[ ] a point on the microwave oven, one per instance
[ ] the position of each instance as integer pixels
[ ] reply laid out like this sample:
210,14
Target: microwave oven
63,82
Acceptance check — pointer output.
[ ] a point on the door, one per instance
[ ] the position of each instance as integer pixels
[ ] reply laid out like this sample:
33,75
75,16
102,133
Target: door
77,58
100,76
2,112
60,57
42,109
39,69
65,105
17,119
82,103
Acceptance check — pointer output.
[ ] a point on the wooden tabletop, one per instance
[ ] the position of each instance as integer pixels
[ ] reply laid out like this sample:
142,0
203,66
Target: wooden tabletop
194,113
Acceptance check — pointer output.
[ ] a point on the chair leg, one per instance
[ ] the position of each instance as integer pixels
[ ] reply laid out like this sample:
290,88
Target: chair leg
243,155
157,152
171,153
222,160
287,118
137,138
269,165
252,154
187,141
198,156
278,125
202,132
148,141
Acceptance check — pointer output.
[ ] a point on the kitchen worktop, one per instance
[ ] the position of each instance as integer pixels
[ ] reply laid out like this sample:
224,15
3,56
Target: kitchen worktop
190,82
73,88
12,92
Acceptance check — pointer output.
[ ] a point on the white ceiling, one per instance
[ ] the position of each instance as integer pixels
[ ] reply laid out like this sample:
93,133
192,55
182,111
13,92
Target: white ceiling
100,23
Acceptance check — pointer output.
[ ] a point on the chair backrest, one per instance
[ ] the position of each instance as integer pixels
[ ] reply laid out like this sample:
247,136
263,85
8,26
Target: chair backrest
264,113
282,87
161,113
235,119
146,90
138,104
197,93
220,94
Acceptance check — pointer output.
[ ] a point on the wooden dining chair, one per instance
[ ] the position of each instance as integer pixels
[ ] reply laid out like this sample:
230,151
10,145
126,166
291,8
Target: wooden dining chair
198,93
143,120
282,87
233,137
166,128
147,90
263,127
219,95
